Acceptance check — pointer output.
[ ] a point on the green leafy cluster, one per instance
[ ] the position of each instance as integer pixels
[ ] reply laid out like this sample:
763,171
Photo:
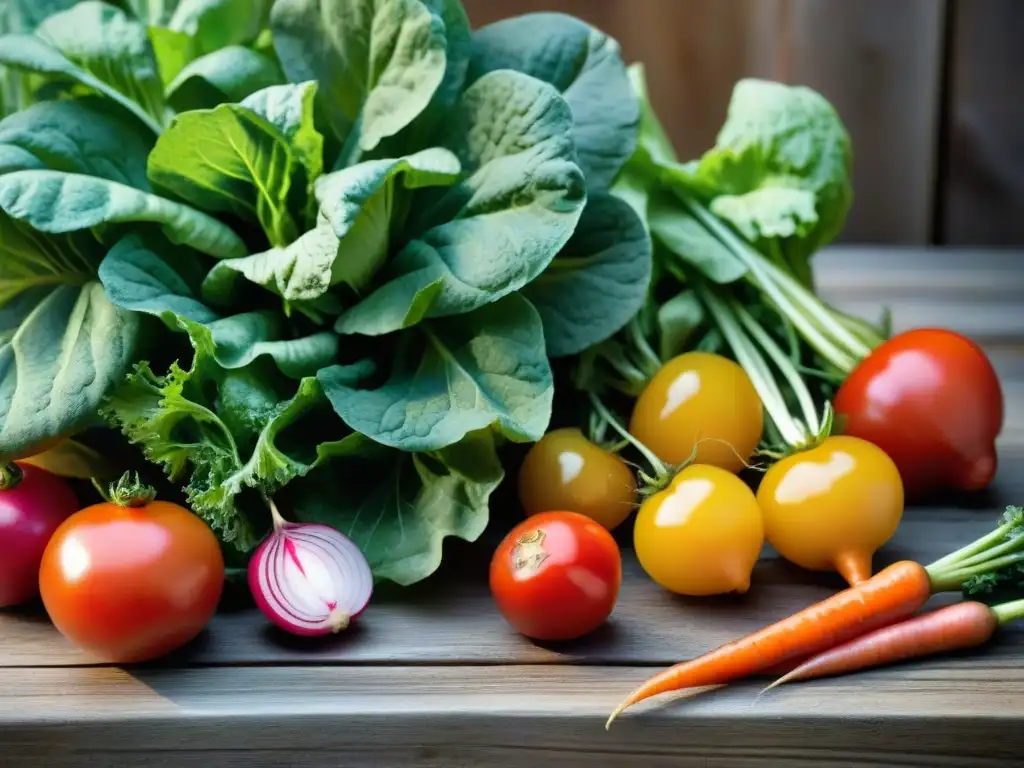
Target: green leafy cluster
321,249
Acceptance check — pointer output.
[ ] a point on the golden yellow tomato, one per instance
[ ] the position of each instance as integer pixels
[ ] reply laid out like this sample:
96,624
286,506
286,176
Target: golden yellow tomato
702,535
694,397
566,471
831,507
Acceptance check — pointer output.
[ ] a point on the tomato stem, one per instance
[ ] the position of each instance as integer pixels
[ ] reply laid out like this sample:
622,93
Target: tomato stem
10,476
130,491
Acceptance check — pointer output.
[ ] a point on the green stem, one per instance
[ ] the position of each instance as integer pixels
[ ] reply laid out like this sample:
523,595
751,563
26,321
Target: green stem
757,369
1007,612
1007,547
130,491
954,578
10,476
979,545
650,359
657,465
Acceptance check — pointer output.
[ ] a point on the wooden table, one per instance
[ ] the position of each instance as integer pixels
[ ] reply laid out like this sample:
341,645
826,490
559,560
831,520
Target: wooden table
433,677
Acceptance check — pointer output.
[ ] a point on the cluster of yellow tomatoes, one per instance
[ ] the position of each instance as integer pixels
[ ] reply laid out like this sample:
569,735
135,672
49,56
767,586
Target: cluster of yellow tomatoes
826,507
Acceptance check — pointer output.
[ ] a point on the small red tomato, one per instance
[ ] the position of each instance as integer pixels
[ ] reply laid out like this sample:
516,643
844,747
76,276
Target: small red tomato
132,583
930,399
556,576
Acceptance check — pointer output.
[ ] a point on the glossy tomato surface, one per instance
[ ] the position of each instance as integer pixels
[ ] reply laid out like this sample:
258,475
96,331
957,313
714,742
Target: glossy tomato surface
703,397
566,471
131,584
702,535
831,507
30,512
931,399
556,576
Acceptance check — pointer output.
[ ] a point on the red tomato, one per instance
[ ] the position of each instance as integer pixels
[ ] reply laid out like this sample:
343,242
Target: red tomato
131,584
556,576
931,400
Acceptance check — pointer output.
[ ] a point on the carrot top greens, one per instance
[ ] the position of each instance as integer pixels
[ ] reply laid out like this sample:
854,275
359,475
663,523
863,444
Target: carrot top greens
995,559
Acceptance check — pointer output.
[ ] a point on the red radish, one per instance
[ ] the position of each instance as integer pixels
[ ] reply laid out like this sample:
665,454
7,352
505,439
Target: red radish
309,579
33,504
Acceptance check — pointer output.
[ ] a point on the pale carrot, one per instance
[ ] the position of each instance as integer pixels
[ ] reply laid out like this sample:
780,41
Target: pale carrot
892,594
953,628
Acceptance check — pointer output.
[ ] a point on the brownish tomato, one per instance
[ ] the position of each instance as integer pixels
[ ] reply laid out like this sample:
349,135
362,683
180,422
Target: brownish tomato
556,576
930,399
131,583
566,471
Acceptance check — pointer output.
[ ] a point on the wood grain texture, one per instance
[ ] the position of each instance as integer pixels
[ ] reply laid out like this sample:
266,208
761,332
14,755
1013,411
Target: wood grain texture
983,192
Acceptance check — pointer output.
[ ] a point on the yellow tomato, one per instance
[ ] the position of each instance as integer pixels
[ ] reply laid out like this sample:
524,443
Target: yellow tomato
831,507
566,471
702,535
694,397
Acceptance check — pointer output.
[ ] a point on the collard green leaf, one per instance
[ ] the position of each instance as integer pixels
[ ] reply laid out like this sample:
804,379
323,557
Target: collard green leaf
455,376
586,66
32,54
290,109
172,51
230,160
399,508
379,62
110,45
215,24
62,343
56,202
599,280
188,422
688,239
499,227
87,135
227,75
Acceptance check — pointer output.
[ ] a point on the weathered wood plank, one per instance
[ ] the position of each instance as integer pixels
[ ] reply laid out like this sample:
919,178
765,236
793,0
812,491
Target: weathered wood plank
935,714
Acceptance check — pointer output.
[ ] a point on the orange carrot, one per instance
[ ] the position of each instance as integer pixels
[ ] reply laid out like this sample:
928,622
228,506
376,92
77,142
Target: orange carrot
892,594
953,628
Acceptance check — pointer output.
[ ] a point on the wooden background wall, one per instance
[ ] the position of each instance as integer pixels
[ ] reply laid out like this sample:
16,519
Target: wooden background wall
932,92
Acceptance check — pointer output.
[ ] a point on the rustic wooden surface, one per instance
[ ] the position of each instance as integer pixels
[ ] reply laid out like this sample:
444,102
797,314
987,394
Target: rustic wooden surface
433,677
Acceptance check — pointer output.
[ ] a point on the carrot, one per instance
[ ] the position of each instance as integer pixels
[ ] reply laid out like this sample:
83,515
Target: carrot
894,594
955,627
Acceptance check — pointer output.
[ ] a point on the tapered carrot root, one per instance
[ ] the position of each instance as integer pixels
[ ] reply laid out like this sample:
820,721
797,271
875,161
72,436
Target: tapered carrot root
964,625
891,595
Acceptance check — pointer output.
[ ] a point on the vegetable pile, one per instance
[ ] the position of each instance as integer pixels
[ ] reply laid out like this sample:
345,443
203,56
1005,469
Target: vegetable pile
317,268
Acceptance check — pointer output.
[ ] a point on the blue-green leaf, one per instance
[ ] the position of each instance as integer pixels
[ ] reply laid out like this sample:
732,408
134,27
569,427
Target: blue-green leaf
227,75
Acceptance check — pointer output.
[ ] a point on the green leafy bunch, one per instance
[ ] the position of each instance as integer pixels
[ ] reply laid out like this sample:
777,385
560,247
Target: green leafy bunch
320,249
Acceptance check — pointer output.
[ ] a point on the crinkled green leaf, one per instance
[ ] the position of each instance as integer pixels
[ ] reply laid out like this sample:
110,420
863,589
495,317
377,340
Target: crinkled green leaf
230,160
227,75
586,66
56,202
769,212
399,507
379,62
86,135
498,228
455,376
599,280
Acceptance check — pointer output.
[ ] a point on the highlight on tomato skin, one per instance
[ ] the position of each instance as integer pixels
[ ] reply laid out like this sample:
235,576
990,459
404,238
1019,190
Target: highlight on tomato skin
704,401
566,471
830,508
702,535
556,576
931,399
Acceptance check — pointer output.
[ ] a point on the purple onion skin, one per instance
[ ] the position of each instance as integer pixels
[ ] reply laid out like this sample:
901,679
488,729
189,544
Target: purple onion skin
30,512
263,604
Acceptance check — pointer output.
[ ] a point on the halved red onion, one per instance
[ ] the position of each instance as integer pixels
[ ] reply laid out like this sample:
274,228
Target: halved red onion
308,578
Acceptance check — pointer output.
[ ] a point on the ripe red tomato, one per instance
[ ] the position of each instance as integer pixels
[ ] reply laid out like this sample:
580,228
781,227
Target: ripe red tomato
131,584
556,576
930,399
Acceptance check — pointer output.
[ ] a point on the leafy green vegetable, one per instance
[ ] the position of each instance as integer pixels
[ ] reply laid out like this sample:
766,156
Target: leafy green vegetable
677,229
585,65
379,62
215,24
499,227
400,520
62,343
290,109
218,427
227,75
57,202
231,160
86,135
455,376
598,281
